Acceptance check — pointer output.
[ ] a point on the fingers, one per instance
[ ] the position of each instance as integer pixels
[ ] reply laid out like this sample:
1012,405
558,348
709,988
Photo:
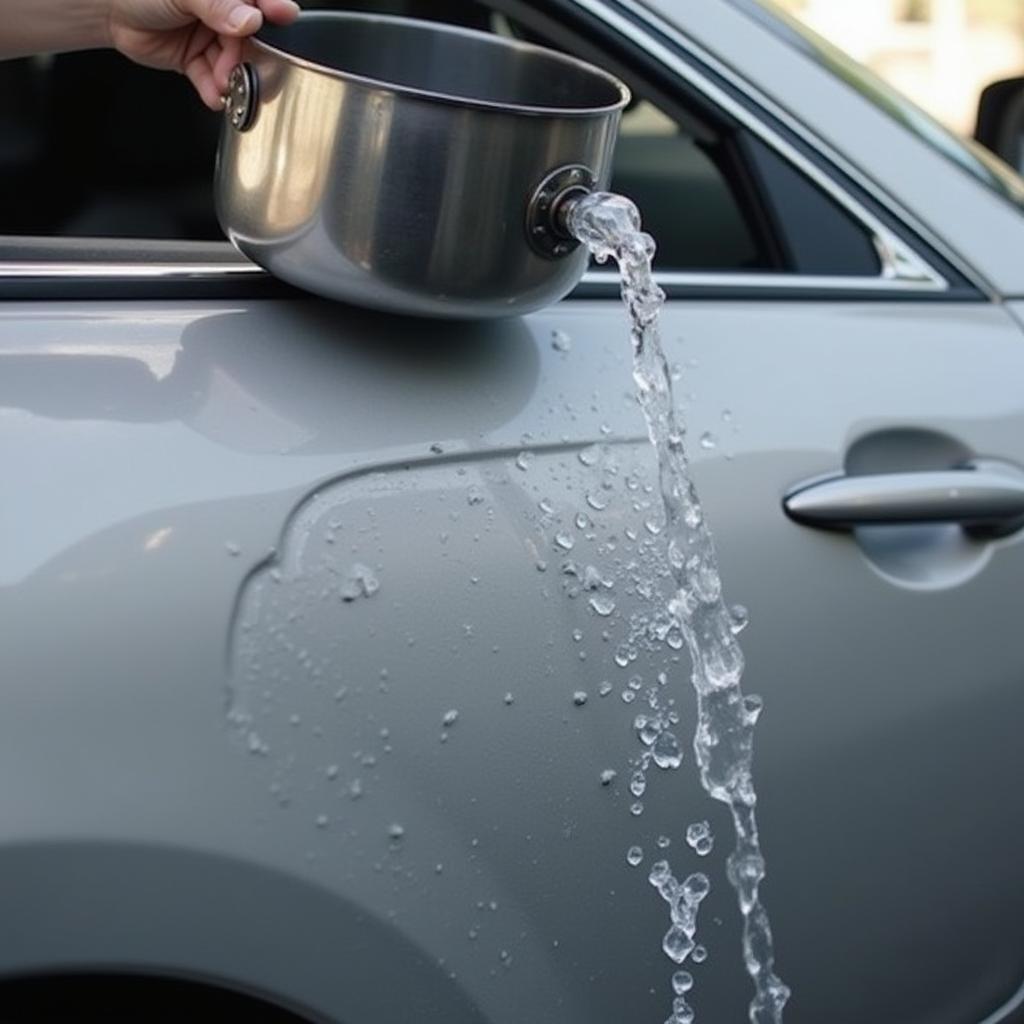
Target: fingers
231,20
225,17
200,74
281,12
223,59
239,18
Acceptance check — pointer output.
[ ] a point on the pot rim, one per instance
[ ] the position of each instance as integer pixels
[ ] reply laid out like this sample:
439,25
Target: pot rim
448,98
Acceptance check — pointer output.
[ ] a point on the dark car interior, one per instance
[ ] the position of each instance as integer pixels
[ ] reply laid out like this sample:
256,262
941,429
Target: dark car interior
93,146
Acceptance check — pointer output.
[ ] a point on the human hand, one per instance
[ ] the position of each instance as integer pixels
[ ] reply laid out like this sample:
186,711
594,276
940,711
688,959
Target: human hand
202,39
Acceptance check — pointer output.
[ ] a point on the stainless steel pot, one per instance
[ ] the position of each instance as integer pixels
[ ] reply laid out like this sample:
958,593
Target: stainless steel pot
412,166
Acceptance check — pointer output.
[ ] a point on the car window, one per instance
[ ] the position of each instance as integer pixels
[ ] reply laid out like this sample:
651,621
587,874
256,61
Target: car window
94,146
971,157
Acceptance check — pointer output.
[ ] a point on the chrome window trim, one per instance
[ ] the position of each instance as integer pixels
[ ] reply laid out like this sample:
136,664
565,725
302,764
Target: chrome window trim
777,282
149,271
244,270
903,269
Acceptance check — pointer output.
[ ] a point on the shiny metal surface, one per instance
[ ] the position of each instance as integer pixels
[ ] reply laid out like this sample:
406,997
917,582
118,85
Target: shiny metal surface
970,496
127,271
546,214
391,162
241,99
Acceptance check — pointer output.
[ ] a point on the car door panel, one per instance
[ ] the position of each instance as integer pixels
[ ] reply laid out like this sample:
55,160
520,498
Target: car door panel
260,430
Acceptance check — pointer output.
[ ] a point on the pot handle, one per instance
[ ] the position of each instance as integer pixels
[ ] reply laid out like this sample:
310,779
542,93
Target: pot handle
242,98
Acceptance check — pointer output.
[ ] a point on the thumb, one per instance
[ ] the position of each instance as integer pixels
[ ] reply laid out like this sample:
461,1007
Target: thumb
226,17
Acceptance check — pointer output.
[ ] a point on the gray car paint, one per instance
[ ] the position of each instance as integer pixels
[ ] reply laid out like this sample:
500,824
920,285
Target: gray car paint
145,443
142,440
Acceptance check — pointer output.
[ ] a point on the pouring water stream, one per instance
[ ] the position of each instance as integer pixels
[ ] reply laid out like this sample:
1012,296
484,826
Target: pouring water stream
609,225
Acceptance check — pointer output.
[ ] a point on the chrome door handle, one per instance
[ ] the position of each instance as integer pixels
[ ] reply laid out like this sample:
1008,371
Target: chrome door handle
982,497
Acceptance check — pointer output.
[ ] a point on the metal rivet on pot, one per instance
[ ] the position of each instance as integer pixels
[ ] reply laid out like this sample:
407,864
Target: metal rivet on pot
240,104
545,220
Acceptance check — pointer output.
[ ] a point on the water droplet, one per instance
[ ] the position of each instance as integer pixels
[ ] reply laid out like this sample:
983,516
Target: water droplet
509,699
647,729
752,708
360,581
727,415
233,549
708,441
523,460
667,751
437,449
634,856
628,696
255,744
355,789
677,944
699,954
560,341
664,842
579,698
608,776
602,605
450,718
596,502
604,689
740,618
565,541
395,832
636,809
700,838
322,821
590,456
637,783
682,982
474,497
332,771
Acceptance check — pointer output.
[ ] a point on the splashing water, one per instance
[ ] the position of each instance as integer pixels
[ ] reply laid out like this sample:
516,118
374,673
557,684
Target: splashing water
609,225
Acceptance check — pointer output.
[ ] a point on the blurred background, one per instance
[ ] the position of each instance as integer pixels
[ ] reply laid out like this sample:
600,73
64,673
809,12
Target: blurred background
940,53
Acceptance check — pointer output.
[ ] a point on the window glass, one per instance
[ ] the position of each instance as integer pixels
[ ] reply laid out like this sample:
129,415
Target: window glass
94,146
686,201
970,156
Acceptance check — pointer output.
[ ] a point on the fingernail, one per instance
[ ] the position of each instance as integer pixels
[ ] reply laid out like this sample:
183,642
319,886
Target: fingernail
243,17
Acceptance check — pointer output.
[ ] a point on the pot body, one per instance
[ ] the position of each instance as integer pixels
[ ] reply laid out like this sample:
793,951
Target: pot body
392,163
